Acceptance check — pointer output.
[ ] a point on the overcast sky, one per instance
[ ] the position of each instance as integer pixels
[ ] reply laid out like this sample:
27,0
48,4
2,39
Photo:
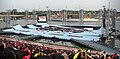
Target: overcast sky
22,5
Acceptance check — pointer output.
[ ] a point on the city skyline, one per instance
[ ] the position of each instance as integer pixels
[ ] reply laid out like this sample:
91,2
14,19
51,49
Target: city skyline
22,5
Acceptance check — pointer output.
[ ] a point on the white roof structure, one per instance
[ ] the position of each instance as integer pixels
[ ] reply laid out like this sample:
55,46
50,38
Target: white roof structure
11,30
32,26
86,35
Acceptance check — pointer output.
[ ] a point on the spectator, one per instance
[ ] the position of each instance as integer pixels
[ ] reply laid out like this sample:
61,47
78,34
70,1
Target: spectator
5,53
27,54
108,57
115,56
97,56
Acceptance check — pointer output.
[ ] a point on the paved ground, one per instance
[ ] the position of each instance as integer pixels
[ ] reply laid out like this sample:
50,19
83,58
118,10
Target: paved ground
97,46
57,43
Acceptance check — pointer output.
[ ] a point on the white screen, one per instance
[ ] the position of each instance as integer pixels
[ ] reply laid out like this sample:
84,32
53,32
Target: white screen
41,18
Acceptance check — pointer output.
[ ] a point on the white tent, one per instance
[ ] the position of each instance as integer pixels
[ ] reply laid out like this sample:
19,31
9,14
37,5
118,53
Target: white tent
32,26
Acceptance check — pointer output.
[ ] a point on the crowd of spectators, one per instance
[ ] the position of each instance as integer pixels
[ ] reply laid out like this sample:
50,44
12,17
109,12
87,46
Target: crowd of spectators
21,50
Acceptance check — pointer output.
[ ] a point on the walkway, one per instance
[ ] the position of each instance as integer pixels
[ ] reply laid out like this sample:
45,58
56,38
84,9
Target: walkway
96,46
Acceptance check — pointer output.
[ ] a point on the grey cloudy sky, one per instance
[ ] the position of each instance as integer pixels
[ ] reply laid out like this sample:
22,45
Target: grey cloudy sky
22,5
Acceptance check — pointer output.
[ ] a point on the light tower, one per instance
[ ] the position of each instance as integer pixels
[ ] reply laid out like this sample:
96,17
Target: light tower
8,18
81,12
114,32
103,25
113,16
26,14
100,17
34,14
48,14
64,16
104,17
13,12
107,23
101,21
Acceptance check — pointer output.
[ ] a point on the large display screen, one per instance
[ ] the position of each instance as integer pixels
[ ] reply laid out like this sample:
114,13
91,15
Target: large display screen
42,18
